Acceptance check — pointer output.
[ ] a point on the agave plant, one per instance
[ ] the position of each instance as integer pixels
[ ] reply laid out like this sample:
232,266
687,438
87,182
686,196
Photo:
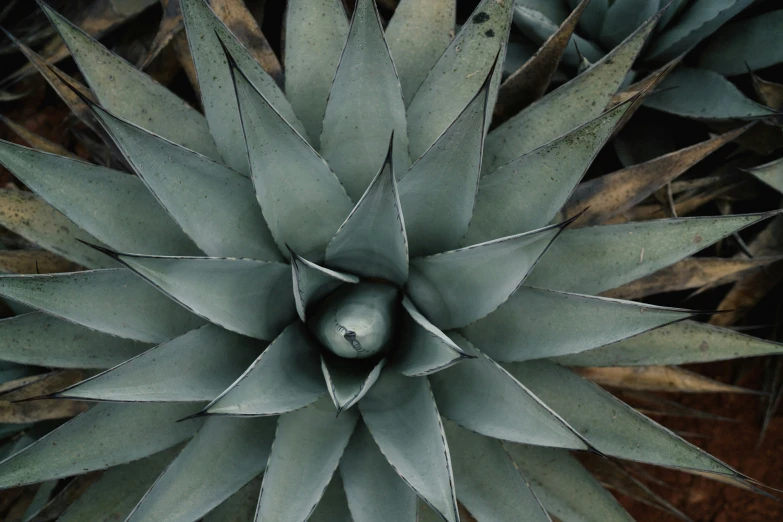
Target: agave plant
698,89
281,290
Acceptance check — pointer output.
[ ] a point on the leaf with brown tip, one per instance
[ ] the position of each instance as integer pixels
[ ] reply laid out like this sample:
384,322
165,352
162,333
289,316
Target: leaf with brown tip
611,194
530,81
657,378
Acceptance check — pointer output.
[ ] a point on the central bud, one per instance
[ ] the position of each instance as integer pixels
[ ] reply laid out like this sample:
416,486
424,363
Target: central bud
357,320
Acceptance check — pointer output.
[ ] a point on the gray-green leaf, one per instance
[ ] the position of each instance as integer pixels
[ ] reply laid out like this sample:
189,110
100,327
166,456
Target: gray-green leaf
403,419
439,191
113,301
372,241
770,173
702,94
114,207
43,340
300,197
606,422
349,380
458,287
223,456
104,436
133,95
754,43
480,395
594,259
333,506
365,106
215,358
680,343
315,34
246,296
528,192
418,34
566,489
536,324
577,102
213,204
459,73
308,446
313,282
37,221
489,485
285,377
375,492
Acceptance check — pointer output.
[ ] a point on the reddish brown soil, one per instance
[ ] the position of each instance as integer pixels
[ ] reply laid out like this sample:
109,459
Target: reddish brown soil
705,500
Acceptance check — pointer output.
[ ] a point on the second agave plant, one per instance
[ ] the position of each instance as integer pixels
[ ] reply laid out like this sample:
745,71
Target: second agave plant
350,288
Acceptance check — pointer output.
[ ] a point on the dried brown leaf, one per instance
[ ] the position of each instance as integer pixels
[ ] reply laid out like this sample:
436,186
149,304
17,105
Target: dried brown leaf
611,194
34,262
770,93
100,18
657,378
39,385
171,24
694,272
34,140
529,82
240,21
646,84
29,412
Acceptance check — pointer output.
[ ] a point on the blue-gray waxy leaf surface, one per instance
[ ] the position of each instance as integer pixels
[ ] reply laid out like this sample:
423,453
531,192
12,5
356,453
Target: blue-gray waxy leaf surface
365,106
313,282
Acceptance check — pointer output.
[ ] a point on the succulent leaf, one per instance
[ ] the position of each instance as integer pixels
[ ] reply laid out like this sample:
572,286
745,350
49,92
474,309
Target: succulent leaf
190,187
315,34
455,288
438,193
459,73
375,492
349,382
593,19
372,240
622,17
308,446
333,506
119,433
699,20
365,106
216,357
565,488
207,35
223,456
566,107
538,27
527,193
594,259
37,221
40,339
417,34
284,378
606,421
538,324
300,197
119,489
131,94
253,298
403,419
114,207
89,298
770,173
240,507
754,43
702,94
481,396
423,348
313,282
489,485
686,342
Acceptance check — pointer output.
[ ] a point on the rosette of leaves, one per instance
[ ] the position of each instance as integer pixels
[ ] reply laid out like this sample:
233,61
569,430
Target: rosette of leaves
728,41
350,288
